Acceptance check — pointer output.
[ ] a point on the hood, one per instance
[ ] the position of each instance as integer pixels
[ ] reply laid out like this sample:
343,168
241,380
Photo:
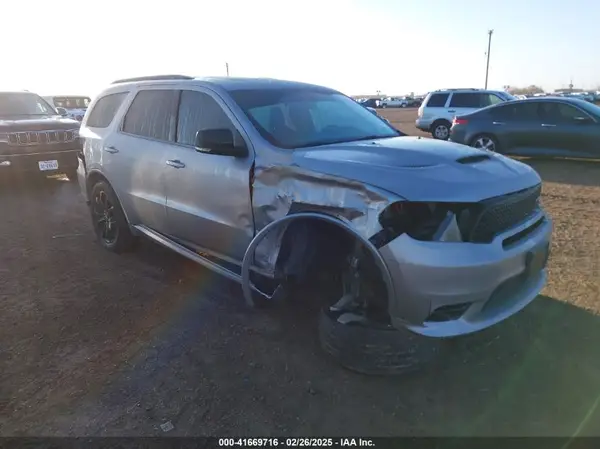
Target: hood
420,169
37,123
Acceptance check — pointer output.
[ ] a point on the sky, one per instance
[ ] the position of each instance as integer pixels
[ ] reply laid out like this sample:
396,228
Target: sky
354,46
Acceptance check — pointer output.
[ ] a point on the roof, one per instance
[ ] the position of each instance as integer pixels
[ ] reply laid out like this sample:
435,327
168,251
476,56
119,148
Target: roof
225,82
22,91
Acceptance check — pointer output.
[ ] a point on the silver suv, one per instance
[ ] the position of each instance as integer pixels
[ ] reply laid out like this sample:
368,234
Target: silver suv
283,186
441,106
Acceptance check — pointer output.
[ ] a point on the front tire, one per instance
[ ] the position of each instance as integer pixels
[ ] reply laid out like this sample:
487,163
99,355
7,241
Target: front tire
440,130
108,219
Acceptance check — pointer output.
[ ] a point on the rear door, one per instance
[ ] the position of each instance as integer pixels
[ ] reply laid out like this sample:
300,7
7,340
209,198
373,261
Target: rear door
518,126
138,155
434,107
462,103
97,126
208,195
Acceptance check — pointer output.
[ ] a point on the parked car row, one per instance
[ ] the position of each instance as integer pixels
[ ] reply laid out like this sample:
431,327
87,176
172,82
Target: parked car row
440,107
592,97
392,102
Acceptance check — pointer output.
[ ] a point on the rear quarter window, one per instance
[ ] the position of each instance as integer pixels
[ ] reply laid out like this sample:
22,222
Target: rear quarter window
437,100
105,109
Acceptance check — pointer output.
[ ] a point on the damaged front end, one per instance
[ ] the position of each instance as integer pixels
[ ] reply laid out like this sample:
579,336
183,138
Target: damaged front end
393,261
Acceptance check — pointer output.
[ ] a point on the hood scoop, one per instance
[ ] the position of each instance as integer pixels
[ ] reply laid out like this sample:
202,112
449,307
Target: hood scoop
473,159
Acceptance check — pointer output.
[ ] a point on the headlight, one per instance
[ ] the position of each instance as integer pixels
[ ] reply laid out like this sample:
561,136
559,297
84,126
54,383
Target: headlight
419,220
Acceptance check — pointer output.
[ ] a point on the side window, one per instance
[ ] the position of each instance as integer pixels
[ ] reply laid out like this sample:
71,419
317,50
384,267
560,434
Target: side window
465,100
152,114
527,111
490,99
560,112
198,111
105,109
507,112
437,100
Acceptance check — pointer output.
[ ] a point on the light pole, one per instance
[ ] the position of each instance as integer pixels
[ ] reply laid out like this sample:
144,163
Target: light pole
227,68
487,67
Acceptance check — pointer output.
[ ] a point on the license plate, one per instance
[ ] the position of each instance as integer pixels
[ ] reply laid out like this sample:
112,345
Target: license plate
48,165
536,259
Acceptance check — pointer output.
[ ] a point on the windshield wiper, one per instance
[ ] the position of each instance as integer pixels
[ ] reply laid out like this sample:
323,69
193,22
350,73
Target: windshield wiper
373,137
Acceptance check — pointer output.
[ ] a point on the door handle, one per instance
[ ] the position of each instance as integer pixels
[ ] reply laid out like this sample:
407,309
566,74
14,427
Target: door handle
110,149
175,163
497,123
451,110
546,125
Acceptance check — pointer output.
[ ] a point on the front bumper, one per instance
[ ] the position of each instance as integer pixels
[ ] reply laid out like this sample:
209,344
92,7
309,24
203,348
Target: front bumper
477,285
27,163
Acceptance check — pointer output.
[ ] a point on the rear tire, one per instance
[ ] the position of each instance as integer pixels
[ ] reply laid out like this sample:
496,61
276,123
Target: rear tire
485,142
440,130
108,219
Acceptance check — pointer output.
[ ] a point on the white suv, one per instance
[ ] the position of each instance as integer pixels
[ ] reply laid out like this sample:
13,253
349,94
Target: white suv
441,106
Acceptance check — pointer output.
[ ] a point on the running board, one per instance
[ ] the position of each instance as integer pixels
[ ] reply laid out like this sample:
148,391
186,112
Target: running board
185,252
182,250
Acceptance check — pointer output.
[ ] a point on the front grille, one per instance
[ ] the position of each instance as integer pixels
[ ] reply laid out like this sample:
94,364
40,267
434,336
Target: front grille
27,138
482,222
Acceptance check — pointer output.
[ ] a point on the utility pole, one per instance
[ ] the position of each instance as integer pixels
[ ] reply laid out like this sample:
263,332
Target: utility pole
227,68
487,67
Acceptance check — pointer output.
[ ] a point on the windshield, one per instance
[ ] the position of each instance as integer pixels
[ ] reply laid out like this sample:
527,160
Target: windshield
23,103
72,102
507,96
294,118
589,107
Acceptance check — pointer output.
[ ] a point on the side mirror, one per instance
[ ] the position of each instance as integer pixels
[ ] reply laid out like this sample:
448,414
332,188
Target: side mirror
220,142
62,111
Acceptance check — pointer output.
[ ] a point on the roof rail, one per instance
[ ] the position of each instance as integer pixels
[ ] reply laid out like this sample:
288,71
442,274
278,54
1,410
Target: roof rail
461,88
154,78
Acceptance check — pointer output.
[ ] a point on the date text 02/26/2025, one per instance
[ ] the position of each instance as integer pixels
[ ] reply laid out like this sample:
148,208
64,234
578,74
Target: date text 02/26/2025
296,442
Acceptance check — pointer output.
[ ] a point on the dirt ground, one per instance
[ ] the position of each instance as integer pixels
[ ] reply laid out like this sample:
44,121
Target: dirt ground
97,344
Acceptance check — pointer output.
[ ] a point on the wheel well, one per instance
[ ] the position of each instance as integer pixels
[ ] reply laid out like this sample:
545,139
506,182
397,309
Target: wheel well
92,179
326,244
439,121
318,254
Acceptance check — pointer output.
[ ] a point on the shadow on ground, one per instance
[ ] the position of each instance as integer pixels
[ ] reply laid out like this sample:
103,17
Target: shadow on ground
567,171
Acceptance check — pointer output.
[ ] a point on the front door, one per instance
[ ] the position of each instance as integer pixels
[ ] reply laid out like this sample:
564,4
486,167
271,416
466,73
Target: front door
208,195
569,131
